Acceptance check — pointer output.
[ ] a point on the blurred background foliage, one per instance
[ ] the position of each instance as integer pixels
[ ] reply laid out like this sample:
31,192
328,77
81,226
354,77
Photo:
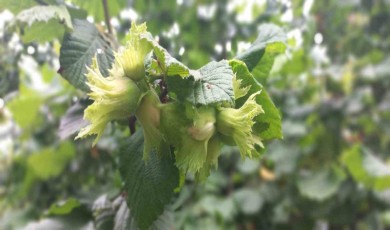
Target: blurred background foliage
331,170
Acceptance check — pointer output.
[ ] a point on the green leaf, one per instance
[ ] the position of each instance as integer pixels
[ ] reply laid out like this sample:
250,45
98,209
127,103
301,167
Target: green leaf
43,32
95,7
77,50
213,205
367,168
259,57
43,23
114,214
124,220
269,124
284,157
16,6
51,162
72,121
149,185
322,184
27,100
64,207
249,201
46,164
103,212
164,222
79,218
210,84
56,223
264,67
268,34
165,64
77,12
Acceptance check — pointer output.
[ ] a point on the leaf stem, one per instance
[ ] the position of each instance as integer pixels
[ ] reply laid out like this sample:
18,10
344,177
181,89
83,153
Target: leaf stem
107,16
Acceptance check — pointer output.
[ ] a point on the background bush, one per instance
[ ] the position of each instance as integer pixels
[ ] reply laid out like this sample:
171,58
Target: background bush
331,170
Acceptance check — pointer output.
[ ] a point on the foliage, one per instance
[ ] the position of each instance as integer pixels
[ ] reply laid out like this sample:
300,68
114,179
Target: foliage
324,65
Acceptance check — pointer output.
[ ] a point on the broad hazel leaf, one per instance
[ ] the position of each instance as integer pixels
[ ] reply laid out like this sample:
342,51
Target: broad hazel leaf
43,23
263,68
77,50
268,34
17,6
149,185
259,58
213,83
124,221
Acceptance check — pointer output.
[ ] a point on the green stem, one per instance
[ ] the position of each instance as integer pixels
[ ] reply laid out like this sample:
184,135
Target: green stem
107,16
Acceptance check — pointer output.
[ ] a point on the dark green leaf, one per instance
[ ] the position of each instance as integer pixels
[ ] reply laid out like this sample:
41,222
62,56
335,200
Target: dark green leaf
124,220
210,84
77,50
149,185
